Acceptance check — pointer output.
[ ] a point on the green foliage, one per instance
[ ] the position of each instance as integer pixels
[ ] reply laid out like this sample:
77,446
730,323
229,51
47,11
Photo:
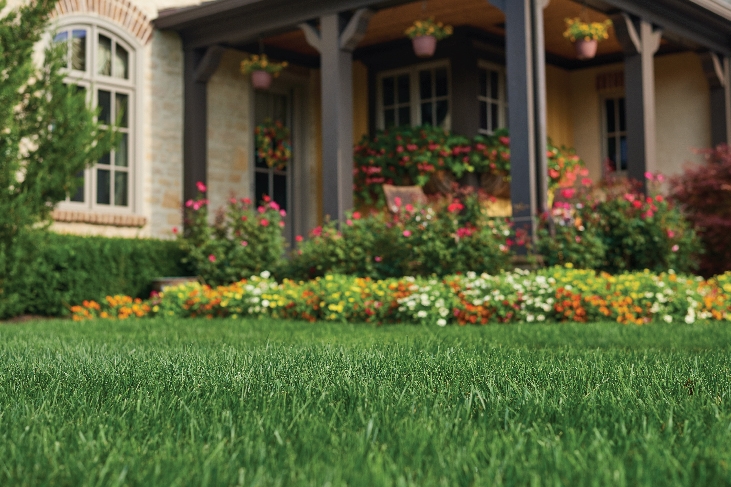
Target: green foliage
61,270
243,239
191,403
47,132
440,239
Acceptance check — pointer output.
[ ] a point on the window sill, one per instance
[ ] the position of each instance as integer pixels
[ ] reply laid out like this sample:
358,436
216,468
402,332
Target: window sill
108,219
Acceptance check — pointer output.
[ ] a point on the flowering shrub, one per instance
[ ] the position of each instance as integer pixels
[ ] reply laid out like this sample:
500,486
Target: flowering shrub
554,295
242,240
705,195
450,237
615,228
273,145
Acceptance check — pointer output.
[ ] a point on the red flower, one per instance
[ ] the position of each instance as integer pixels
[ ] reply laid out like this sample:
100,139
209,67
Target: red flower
637,204
455,207
317,231
298,238
212,258
264,222
244,243
175,230
265,198
356,215
246,201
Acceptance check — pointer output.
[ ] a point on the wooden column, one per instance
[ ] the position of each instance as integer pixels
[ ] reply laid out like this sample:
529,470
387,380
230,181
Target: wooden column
199,66
526,68
717,73
640,41
336,39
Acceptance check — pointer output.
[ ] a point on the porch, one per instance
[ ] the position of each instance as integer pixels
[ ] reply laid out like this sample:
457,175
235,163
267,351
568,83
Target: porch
345,52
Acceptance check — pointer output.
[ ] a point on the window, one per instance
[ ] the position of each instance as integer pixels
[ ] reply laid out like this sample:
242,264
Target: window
615,134
101,64
492,98
415,96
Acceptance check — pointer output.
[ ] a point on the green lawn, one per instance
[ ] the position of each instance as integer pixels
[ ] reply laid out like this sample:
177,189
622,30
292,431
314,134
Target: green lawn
201,402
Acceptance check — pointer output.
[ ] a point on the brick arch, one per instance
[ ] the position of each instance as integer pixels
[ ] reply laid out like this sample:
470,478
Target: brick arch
121,12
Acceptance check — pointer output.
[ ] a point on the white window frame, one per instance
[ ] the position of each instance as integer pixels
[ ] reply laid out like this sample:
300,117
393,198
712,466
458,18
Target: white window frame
415,95
617,133
501,102
131,87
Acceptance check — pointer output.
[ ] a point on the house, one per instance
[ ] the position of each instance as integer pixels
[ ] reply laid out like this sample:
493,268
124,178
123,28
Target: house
658,88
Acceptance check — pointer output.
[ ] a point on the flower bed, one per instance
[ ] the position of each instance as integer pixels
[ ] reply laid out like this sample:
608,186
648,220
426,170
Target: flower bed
559,294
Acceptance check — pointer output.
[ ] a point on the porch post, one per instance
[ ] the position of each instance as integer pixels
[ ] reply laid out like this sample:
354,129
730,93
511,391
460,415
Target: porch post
526,70
640,41
336,39
717,73
195,124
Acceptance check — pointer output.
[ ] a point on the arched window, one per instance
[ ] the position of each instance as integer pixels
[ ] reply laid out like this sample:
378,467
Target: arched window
103,65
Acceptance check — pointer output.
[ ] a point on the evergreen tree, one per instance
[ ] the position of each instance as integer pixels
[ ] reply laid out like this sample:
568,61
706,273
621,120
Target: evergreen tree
48,134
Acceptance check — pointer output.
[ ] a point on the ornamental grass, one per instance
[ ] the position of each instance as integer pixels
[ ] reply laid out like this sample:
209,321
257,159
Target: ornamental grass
554,295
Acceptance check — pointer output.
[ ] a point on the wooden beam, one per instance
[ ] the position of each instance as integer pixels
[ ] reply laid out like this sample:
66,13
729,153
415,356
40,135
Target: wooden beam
209,63
640,41
717,73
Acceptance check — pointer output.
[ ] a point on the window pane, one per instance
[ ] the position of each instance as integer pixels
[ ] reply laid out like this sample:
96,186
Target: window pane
120,155
403,88
78,50
280,190
104,104
121,62
62,37
442,112
494,85
389,118
106,159
427,114
104,56
622,117
483,116
494,117
623,152
388,92
261,185
404,116
612,152
441,82
102,186
483,82
425,85
121,189
78,196
611,122
120,109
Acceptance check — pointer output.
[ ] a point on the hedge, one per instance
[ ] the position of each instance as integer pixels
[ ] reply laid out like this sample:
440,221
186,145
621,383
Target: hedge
57,271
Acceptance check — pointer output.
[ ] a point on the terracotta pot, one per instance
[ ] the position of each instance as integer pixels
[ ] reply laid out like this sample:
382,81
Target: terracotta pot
585,49
261,80
424,46
495,185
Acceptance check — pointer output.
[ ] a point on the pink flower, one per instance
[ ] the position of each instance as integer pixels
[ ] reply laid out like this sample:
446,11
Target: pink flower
273,205
175,230
244,243
660,178
397,201
261,209
201,187
649,176
244,218
189,203
637,203
212,258
356,215
349,222
568,193
407,233
586,181
671,234
298,238
264,222
675,248
246,201
504,140
265,198
281,224
233,201
283,213
377,258
409,208
317,231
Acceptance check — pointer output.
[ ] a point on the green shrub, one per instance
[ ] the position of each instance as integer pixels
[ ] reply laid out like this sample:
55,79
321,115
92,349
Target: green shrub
55,271
447,237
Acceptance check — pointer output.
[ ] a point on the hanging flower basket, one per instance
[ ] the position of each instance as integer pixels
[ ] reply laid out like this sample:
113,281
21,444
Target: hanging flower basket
586,36
424,35
273,144
262,70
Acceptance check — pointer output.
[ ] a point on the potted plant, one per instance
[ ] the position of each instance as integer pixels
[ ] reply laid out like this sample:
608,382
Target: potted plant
586,35
261,70
424,35
273,144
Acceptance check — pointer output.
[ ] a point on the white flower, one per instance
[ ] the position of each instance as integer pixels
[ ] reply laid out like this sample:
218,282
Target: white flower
541,318
442,322
421,314
668,318
265,303
266,274
530,318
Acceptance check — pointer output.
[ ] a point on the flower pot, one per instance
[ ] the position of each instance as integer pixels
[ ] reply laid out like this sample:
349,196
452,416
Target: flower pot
424,46
495,185
440,182
585,49
261,80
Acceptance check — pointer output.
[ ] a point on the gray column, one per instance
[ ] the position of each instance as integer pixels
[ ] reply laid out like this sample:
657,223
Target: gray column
194,125
640,41
525,55
717,73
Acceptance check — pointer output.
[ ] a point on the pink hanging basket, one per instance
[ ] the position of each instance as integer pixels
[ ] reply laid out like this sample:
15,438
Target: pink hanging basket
424,46
261,80
585,49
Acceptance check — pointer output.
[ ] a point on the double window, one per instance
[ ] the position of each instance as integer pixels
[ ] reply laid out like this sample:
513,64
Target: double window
615,134
415,96
492,98
102,65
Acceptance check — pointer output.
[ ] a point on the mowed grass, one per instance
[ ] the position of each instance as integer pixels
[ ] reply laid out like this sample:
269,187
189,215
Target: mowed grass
201,402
